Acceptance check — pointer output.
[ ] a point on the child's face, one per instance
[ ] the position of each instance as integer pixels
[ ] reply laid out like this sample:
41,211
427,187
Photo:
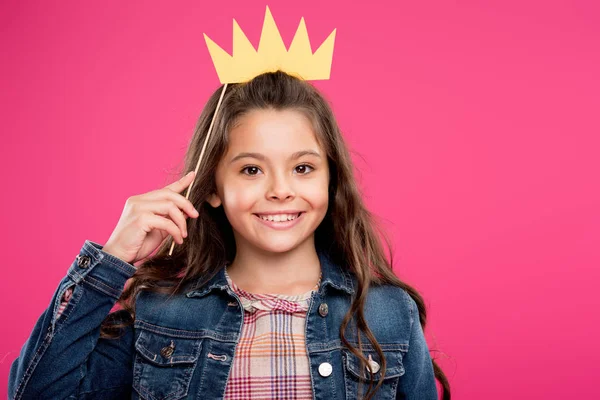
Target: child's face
276,181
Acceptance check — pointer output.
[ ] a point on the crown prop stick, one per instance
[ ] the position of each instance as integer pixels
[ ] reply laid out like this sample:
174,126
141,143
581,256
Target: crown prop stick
246,63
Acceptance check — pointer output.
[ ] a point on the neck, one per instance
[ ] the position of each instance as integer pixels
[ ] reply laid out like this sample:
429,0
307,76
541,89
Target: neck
291,273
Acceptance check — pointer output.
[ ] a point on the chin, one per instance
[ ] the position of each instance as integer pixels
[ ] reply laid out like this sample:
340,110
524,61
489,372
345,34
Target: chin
275,248
279,244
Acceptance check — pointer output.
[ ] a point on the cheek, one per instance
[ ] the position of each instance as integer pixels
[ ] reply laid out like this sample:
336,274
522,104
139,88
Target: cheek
317,194
240,198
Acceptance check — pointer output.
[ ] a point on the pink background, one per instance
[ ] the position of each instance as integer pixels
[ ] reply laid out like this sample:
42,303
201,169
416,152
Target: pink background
474,125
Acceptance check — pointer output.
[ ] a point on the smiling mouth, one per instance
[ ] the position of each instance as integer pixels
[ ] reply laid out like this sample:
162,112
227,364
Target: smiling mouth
285,219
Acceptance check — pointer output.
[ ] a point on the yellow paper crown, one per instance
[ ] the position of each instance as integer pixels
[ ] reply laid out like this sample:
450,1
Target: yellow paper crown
246,62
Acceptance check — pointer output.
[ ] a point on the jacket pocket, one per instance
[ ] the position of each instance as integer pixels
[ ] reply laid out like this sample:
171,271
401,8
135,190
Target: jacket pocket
164,365
352,374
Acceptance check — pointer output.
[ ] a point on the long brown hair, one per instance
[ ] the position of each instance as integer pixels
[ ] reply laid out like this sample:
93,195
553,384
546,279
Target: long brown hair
348,233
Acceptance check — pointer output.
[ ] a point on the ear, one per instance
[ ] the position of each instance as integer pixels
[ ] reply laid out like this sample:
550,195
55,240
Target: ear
214,200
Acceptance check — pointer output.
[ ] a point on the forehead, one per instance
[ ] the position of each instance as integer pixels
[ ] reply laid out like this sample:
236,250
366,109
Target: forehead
272,131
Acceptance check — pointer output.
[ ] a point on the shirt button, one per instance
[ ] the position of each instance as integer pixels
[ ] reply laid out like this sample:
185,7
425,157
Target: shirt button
325,369
323,310
83,261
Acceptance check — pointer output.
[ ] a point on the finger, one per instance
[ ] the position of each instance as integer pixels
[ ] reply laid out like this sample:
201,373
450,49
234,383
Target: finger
179,200
157,222
167,207
182,183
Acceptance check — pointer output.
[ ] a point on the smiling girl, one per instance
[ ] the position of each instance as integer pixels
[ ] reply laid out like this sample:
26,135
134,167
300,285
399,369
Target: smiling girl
278,288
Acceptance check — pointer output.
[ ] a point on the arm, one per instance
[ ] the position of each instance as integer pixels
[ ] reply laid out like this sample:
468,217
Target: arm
64,356
418,381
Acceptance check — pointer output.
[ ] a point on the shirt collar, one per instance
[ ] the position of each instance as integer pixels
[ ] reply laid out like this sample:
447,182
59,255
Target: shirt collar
332,275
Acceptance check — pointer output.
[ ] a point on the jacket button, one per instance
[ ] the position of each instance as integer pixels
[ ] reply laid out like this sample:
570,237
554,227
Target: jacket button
323,309
167,351
325,369
374,365
83,261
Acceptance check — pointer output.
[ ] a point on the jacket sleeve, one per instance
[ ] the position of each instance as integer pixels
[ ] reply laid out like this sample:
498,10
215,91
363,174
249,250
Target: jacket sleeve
64,357
418,381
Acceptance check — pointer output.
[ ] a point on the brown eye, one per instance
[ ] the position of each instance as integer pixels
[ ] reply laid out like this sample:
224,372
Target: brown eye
303,168
251,168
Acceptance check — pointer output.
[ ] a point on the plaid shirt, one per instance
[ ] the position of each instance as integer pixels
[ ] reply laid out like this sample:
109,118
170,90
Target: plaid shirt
270,358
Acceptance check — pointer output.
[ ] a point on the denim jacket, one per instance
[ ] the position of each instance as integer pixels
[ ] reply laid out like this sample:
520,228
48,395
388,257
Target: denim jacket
164,354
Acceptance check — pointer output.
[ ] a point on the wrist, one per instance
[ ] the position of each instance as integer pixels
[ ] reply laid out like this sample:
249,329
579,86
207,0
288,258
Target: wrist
115,253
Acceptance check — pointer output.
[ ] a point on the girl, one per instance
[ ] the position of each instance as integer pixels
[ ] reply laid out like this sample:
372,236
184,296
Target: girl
280,289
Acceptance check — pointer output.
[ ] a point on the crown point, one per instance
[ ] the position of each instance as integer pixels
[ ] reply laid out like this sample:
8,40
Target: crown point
269,15
236,25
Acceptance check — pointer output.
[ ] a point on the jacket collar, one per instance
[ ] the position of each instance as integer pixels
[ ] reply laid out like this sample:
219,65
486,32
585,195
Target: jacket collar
332,275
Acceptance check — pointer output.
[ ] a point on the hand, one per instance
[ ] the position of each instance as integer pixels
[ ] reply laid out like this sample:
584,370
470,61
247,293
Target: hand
149,218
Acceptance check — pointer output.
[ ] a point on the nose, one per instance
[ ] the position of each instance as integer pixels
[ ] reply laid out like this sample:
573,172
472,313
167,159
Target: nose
280,187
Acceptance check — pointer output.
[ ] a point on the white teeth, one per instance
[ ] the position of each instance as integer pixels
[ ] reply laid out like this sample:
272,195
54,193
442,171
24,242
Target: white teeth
279,217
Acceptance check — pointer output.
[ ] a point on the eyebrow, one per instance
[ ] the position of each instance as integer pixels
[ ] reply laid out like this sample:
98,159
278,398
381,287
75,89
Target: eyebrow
259,156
